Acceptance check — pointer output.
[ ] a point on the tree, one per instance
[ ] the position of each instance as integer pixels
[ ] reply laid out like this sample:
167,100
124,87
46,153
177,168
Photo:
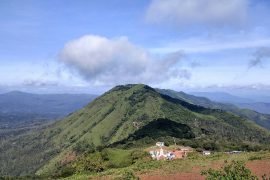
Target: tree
233,171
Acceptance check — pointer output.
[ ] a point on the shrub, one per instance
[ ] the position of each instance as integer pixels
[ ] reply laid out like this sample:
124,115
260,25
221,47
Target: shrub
265,178
252,158
91,163
83,146
234,171
138,155
63,172
127,175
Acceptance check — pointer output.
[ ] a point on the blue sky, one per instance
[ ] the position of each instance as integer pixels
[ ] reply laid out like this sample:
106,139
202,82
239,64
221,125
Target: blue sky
90,46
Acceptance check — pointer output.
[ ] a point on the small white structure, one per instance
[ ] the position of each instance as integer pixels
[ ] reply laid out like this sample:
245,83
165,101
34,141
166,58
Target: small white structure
236,152
160,144
206,153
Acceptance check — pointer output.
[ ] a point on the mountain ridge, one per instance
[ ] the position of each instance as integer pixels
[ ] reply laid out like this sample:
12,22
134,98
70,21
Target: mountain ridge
259,104
55,105
109,120
259,118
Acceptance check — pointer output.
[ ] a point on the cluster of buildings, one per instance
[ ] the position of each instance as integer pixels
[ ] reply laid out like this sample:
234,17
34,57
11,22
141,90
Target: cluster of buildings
161,152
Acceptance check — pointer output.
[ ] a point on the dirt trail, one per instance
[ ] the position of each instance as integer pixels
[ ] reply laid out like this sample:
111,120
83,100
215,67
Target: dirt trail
180,176
257,167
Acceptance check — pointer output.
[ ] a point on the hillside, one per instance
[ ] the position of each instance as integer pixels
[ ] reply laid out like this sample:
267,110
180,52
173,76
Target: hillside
129,116
260,119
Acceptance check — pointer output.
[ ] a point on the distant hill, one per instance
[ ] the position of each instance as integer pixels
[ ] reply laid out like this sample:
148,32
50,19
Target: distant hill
54,104
223,97
256,106
130,116
18,107
257,98
260,119
257,103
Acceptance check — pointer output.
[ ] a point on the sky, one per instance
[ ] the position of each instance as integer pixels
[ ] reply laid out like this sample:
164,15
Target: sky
90,46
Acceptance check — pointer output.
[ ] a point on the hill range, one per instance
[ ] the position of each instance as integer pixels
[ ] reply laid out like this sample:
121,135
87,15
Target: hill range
20,109
131,116
257,103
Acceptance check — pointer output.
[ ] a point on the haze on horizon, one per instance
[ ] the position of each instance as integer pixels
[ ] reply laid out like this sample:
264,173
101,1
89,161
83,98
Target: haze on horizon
90,46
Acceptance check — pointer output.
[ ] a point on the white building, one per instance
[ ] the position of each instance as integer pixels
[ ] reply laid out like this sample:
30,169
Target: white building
160,144
206,153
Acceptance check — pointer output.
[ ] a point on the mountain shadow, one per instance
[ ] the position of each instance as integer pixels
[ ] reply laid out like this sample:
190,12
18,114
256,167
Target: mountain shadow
162,128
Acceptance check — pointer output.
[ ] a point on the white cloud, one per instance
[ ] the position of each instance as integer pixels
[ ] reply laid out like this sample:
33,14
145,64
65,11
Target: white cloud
209,12
104,61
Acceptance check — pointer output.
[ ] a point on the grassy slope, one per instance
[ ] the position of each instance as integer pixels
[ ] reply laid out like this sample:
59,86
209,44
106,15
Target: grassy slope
110,118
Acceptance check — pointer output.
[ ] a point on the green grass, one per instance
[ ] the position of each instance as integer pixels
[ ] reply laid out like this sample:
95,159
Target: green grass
177,166
119,158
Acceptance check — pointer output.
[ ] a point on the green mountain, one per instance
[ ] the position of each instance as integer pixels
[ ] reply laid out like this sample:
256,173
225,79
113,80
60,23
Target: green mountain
260,119
129,116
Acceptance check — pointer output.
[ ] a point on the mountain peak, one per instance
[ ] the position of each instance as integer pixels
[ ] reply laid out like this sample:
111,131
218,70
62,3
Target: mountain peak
134,87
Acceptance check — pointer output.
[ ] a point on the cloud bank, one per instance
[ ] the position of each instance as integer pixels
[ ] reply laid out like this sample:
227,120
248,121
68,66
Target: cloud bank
104,61
185,12
259,56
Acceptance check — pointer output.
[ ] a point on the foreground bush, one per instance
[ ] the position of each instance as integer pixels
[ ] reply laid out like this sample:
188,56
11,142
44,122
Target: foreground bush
127,175
234,171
